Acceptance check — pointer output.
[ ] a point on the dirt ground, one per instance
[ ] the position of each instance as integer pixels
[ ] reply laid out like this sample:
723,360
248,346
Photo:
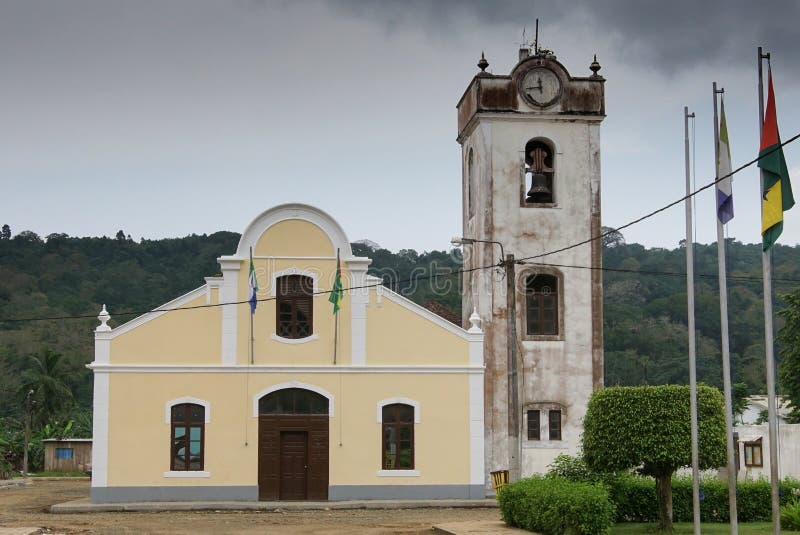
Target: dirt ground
29,506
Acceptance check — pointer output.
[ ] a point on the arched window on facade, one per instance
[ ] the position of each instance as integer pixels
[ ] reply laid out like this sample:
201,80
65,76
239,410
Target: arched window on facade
290,401
541,304
187,451
295,306
539,172
397,446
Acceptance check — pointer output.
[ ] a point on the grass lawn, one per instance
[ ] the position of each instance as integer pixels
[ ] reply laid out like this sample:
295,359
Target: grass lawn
749,528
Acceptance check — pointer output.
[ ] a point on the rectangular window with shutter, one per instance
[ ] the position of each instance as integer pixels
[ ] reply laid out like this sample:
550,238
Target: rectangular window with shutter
555,424
294,306
534,425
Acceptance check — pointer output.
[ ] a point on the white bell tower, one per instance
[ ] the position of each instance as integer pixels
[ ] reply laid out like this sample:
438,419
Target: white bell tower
531,182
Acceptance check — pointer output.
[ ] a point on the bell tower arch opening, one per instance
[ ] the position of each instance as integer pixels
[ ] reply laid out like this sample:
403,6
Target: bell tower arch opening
539,166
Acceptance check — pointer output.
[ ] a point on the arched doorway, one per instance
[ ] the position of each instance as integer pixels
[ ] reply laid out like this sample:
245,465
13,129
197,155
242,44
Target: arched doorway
293,445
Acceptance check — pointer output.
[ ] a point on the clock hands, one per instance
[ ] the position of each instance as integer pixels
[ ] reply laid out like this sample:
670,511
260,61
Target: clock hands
540,87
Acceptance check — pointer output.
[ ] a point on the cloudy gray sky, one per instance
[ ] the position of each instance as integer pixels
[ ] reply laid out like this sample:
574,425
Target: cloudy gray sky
165,118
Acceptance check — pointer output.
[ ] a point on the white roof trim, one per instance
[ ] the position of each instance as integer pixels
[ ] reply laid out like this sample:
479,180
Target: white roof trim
327,369
290,211
163,309
427,314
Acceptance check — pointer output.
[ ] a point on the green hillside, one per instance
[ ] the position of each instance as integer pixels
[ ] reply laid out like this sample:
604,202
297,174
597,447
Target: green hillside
644,301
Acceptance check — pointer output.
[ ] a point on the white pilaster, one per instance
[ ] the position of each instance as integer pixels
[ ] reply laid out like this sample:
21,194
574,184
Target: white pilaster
100,431
359,297
476,430
229,293
102,355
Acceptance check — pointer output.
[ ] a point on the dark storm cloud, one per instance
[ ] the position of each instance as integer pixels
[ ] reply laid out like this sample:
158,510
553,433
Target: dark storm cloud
666,36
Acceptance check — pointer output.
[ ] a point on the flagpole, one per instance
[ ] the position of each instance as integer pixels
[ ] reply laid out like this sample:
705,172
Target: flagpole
336,318
692,342
252,337
766,261
723,312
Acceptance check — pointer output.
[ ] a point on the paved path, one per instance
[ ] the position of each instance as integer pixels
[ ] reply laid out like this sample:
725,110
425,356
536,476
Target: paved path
487,527
84,506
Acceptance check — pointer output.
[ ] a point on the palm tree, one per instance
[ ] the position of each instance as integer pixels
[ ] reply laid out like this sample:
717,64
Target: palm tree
44,392
45,375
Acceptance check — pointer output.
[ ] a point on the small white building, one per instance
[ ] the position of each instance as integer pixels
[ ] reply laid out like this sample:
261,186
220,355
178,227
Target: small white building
757,405
752,450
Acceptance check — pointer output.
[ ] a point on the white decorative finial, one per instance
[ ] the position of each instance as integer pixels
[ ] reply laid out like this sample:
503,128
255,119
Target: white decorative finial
475,320
104,316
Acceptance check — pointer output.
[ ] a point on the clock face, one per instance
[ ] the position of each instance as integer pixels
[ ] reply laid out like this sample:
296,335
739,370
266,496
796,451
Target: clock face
541,86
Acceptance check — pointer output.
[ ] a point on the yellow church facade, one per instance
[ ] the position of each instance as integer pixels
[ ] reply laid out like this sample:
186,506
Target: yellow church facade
202,399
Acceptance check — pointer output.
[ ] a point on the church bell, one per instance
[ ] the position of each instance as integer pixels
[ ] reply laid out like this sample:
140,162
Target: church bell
539,191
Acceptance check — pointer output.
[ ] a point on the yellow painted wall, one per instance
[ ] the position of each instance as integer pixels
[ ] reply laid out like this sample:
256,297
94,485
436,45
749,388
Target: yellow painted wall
139,441
179,337
318,351
294,238
397,335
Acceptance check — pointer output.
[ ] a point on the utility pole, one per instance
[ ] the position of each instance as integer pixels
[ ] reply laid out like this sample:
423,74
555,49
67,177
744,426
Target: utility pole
28,403
515,445
507,262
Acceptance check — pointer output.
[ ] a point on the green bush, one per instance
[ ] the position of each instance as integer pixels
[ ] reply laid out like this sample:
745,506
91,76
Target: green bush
635,499
555,506
571,468
790,515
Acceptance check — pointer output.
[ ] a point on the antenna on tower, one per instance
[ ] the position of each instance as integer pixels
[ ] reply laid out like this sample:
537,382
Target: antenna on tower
536,40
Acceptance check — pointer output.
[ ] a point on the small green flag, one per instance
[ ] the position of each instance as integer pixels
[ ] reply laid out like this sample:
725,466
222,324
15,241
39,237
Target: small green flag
336,291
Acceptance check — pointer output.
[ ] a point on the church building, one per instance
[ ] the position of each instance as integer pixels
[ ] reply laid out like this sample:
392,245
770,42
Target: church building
202,399
214,396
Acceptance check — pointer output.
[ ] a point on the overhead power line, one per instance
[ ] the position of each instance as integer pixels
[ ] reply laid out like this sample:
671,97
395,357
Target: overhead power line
433,276
663,208
524,260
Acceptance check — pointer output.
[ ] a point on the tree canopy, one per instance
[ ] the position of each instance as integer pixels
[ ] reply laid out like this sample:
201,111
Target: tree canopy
789,339
644,296
649,428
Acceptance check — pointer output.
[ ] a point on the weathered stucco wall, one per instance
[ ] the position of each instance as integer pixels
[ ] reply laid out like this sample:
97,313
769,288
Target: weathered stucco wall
558,371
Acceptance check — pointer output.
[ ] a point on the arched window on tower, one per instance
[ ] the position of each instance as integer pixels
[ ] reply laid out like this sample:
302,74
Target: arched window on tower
542,315
539,172
471,186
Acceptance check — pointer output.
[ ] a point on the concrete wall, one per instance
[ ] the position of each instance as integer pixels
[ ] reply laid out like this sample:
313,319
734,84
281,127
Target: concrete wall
788,450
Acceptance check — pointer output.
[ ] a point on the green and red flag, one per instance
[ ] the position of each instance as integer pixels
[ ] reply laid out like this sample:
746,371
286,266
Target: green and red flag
777,192
336,291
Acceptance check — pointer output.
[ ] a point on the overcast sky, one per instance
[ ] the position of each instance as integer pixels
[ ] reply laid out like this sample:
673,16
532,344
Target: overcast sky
166,118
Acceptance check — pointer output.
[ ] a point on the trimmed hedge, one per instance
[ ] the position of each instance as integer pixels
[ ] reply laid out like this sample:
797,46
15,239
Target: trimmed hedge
555,506
635,499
